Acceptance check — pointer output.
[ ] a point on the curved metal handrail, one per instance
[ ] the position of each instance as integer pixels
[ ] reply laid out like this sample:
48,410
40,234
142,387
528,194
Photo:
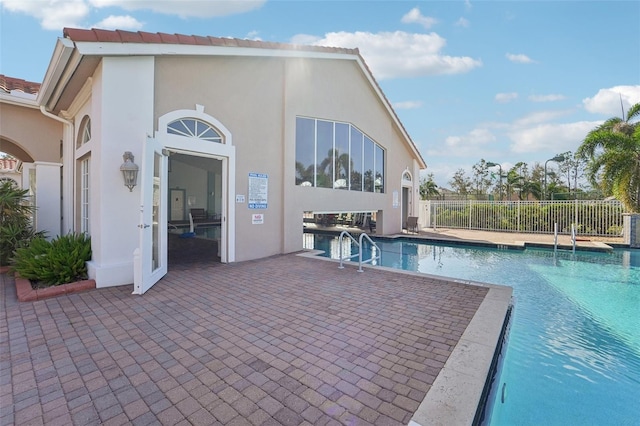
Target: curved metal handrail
342,234
375,256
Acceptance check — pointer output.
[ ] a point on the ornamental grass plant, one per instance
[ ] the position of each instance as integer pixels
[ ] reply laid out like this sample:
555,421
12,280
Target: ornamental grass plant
60,261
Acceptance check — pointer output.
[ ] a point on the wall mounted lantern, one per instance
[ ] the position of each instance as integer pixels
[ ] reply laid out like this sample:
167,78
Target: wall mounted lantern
129,171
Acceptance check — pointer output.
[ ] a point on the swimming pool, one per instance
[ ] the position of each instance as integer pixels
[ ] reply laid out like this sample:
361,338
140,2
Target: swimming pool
573,353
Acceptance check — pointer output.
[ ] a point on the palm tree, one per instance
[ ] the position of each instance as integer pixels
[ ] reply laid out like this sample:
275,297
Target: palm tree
613,154
428,188
16,228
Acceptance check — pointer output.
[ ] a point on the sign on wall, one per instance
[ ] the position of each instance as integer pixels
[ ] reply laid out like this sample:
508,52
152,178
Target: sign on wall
258,185
257,219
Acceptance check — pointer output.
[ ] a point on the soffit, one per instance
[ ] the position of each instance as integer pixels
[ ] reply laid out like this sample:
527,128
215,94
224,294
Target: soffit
84,70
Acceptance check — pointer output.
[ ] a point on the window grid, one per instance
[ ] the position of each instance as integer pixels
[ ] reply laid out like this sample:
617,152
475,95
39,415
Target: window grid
374,164
194,128
84,196
84,135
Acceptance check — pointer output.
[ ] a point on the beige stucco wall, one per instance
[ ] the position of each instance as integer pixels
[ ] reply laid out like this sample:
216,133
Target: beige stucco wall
338,90
245,95
257,100
38,136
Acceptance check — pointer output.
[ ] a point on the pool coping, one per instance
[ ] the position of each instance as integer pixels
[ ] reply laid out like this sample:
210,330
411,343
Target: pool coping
457,392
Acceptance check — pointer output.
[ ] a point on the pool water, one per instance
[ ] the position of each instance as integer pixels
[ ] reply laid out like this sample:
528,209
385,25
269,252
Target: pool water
573,351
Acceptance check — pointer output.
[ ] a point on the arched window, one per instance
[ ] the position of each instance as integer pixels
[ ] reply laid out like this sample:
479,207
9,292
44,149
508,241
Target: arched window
84,133
12,182
406,176
194,128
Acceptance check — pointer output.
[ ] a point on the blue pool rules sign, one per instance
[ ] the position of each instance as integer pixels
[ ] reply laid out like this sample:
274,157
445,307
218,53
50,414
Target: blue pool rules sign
258,186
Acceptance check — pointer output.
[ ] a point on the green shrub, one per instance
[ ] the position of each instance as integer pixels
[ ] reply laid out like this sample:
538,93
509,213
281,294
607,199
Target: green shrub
15,220
59,261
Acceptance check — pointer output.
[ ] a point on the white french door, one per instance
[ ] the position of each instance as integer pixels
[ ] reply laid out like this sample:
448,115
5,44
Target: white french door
152,262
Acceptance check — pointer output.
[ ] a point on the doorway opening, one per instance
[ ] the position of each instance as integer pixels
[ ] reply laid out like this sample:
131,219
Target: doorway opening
195,210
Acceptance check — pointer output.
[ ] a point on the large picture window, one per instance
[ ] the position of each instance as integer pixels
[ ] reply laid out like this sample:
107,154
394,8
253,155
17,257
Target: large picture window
337,155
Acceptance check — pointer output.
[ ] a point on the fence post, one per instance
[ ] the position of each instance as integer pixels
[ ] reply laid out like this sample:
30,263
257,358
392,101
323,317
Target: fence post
470,201
518,229
575,214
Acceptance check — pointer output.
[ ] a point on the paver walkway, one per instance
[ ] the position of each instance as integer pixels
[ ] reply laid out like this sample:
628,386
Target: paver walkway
283,340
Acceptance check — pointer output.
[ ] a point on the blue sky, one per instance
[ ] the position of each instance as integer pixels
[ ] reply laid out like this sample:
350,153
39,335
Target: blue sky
504,81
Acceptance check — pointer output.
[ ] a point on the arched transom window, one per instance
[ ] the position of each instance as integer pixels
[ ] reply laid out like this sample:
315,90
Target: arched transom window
194,128
406,176
84,134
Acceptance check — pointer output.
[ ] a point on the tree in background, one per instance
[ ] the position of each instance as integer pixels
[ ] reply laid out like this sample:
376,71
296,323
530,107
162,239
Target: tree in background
481,177
572,170
460,183
612,152
428,187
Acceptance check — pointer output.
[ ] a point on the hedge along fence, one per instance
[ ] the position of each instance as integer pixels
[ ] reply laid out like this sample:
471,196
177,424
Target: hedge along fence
596,218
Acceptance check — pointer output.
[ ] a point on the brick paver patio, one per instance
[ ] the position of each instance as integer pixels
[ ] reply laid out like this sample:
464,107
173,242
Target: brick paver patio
284,340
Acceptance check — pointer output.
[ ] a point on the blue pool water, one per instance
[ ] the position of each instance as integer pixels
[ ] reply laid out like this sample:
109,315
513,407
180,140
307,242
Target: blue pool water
573,352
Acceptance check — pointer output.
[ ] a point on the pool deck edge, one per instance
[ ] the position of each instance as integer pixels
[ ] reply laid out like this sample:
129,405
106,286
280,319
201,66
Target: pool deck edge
456,392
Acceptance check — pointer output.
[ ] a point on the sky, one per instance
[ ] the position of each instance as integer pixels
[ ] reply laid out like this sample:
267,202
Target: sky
503,81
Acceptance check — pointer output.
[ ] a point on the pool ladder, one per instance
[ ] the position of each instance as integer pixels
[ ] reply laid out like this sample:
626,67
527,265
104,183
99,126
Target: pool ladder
375,251
555,237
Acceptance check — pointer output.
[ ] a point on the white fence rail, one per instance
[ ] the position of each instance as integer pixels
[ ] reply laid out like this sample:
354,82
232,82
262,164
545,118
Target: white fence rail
591,217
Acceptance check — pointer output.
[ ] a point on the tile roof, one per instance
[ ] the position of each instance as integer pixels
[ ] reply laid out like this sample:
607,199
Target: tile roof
8,163
8,84
120,36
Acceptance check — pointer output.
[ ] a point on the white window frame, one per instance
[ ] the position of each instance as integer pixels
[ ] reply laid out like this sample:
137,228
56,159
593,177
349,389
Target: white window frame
85,170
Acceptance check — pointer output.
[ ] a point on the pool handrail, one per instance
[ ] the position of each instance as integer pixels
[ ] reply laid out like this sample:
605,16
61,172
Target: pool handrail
342,234
373,257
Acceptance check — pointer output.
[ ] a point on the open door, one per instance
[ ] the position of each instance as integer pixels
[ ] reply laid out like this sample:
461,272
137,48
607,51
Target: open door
151,258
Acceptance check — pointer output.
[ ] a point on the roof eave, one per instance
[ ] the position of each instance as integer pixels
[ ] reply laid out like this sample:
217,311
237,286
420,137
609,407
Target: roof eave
57,65
92,48
23,101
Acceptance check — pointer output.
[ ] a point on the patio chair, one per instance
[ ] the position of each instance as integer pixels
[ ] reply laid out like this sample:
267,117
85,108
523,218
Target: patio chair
412,224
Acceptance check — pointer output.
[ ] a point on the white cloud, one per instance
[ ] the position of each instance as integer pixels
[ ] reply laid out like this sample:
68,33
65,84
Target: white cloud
57,14
401,54
415,17
253,35
304,39
185,8
120,23
504,98
407,105
462,22
607,101
546,98
52,14
550,137
470,141
519,58
539,117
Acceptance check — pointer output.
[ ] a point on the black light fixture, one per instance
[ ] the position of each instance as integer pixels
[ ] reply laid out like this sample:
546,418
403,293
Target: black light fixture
492,164
558,159
129,171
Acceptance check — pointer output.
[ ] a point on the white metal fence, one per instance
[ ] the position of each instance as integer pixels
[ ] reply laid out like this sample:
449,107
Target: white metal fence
591,217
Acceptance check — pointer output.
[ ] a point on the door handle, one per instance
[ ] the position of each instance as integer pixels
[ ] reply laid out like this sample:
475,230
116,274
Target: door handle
143,226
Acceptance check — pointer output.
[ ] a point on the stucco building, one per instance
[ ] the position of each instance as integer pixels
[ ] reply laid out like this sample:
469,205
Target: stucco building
251,134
